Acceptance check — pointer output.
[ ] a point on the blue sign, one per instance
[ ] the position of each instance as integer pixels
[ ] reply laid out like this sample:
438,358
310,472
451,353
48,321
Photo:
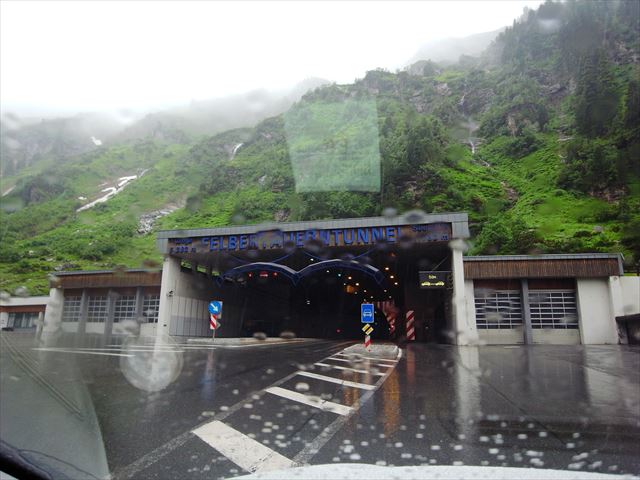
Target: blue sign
215,307
366,313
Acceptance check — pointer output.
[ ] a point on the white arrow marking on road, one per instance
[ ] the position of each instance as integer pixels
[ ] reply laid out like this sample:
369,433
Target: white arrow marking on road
308,400
240,449
339,381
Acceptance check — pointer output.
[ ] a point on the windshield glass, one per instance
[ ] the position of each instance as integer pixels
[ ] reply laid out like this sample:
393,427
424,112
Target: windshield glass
320,239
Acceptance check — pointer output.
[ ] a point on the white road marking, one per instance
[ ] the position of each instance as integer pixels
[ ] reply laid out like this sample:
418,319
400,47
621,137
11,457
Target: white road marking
338,367
353,362
130,349
354,355
311,401
339,381
313,447
62,350
304,456
240,449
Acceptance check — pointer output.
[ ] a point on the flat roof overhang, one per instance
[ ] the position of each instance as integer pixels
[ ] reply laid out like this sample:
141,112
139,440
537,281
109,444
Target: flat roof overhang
132,277
578,265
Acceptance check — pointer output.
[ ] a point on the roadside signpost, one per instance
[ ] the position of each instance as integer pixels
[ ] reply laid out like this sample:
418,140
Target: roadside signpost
366,313
367,317
215,313
410,325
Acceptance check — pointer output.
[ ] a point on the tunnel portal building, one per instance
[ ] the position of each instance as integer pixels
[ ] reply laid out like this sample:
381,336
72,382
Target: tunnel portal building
310,278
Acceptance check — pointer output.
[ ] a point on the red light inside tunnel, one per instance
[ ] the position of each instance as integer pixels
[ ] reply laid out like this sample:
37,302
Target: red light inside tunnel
264,275
338,330
275,274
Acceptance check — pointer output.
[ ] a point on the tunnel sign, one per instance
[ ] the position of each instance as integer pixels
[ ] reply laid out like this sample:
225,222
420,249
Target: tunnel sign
433,280
366,313
215,308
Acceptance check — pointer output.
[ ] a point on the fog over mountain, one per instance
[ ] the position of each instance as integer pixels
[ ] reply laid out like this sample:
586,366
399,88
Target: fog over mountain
449,50
24,141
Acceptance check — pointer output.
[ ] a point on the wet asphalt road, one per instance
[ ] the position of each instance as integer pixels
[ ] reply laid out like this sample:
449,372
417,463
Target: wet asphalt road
542,406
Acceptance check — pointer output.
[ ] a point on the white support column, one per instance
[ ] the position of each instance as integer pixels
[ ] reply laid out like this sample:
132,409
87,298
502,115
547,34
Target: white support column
597,325
39,325
108,324
53,312
615,292
526,311
84,311
464,332
470,301
168,289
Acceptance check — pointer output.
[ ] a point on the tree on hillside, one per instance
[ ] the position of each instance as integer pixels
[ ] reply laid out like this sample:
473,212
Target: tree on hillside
597,99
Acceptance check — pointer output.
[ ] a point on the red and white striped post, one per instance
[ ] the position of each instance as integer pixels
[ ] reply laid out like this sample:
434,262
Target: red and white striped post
213,324
390,312
410,324
367,342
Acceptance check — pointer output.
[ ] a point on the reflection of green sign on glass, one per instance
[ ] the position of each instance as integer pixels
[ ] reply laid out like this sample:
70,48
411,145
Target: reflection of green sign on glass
333,146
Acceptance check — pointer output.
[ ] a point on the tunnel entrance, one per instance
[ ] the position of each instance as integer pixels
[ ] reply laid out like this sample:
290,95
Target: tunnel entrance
309,284
325,303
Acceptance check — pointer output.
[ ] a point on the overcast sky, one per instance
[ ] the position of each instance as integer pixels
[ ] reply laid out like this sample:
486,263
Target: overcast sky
81,56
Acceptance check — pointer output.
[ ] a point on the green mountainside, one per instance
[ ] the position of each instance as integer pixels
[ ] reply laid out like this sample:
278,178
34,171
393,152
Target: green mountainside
538,139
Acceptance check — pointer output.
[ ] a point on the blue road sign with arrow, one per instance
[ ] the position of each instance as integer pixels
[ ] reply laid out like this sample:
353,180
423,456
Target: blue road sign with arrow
215,308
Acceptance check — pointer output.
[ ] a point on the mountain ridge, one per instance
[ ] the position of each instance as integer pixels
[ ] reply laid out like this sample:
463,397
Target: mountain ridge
540,150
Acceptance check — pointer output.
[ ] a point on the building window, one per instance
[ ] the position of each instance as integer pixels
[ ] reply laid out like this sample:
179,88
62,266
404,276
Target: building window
71,310
97,309
553,309
498,309
151,307
124,308
22,320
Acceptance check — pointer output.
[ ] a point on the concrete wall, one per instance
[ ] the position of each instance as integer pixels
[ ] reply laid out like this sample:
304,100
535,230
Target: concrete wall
470,331
184,298
597,323
501,337
189,317
464,323
630,295
548,336
148,329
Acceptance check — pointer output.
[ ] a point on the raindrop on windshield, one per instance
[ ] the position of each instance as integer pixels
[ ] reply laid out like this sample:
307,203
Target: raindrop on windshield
21,292
389,213
302,387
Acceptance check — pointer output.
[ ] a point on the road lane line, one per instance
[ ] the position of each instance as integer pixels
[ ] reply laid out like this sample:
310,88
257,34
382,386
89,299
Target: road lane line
355,355
338,367
339,381
245,452
305,455
354,362
307,400
155,455
61,350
